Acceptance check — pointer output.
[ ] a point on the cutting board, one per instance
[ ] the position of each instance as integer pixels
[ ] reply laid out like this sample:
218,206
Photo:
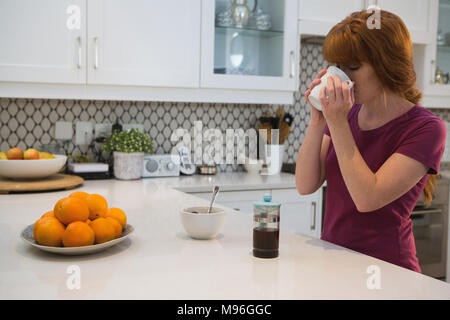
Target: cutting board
54,182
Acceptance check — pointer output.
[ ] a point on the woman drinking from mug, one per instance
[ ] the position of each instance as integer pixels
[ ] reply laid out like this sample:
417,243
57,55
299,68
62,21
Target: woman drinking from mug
375,145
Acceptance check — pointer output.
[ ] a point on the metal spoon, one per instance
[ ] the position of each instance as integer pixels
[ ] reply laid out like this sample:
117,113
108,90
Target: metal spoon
215,192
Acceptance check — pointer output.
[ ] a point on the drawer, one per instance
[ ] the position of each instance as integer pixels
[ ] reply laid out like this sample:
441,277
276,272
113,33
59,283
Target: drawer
233,196
241,206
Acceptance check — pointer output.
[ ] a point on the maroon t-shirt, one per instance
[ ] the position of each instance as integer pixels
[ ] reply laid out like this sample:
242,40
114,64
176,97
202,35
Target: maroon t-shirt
385,233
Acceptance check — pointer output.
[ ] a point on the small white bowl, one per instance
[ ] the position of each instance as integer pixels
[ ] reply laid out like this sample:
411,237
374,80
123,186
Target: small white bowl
31,169
253,165
202,225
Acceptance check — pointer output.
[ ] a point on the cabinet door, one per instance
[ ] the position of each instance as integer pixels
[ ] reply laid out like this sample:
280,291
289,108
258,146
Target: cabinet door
319,16
144,42
246,56
415,14
328,10
434,59
43,41
298,213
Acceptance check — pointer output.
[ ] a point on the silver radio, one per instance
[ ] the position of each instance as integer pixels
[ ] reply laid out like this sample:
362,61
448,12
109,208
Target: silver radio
160,165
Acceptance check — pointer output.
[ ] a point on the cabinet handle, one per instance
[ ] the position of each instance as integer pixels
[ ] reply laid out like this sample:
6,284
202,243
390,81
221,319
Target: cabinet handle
292,60
433,72
95,52
313,216
79,52
236,209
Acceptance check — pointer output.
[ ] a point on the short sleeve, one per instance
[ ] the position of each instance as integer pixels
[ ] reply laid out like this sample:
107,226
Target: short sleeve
327,131
426,144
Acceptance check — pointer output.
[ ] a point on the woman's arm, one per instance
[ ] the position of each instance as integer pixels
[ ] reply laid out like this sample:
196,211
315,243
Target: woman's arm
309,170
371,191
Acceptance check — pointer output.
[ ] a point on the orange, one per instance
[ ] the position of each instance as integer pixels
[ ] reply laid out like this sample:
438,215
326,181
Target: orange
104,230
36,226
117,227
119,215
48,214
88,221
98,206
80,195
49,232
78,234
15,154
71,209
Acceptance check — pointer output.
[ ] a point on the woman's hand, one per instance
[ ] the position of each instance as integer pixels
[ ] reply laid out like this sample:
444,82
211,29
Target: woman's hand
316,115
339,102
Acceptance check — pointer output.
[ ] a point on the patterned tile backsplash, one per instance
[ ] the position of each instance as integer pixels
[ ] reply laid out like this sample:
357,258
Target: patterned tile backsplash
31,122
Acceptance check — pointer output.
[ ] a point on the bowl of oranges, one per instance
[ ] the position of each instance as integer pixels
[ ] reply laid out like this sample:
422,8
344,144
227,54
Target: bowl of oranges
29,164
81,223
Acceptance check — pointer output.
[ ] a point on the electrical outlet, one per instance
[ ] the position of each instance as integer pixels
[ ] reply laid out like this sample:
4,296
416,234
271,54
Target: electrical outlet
63,130
102,130
84,132
128,126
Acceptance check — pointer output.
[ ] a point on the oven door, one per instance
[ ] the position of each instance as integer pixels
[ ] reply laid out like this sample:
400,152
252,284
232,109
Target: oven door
429,236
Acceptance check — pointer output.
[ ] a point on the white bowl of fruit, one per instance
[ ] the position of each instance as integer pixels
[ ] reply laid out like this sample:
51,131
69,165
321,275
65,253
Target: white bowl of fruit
29,164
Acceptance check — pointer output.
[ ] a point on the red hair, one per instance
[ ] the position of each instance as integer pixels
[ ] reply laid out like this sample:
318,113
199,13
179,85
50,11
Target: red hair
388,49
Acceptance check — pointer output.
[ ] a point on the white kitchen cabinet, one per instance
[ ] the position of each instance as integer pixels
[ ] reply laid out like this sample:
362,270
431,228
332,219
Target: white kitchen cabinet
430,58
247,57
319,16
301,214
144,50
144,42
237,200
43,41
416,14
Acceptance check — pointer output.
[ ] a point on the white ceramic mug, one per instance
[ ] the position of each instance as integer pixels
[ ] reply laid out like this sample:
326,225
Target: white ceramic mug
315,92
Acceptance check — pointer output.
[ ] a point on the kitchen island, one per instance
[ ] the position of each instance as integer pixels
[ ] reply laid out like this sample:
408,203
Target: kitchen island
159,260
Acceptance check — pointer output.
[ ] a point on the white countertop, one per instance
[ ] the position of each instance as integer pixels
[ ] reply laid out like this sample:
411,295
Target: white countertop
159,261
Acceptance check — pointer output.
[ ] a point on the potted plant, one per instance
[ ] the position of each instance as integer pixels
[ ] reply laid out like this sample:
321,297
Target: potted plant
128,148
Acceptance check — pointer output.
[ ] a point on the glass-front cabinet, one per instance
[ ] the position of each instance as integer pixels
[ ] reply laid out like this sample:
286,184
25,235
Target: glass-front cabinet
250,44
443,44
434,72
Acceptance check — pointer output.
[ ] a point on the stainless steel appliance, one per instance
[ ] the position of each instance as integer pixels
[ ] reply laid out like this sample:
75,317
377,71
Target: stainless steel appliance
430,231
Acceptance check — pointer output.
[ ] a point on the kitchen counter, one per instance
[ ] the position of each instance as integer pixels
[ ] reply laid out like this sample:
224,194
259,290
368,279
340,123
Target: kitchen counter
159,261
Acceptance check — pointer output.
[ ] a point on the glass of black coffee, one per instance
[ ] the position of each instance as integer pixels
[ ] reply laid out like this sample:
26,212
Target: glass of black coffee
266,228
